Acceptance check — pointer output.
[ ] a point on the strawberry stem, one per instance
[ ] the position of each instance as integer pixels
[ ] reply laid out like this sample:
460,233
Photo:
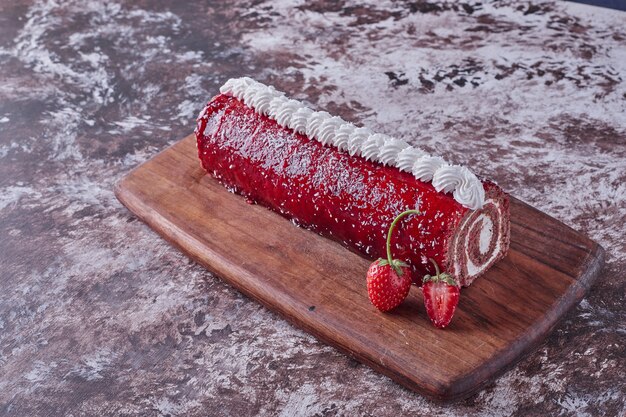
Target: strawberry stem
393,225
436,267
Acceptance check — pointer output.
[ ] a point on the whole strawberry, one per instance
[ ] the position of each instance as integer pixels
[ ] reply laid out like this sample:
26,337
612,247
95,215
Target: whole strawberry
386,287
389,280
441,295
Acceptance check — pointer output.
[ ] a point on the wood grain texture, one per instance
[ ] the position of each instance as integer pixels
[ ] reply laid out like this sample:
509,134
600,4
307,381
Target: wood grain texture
320,286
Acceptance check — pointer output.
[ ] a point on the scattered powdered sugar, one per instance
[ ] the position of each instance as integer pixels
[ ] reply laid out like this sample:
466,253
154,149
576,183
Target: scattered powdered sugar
465,187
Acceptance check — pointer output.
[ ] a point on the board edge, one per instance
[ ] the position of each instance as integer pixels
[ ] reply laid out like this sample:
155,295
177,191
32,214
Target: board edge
464,388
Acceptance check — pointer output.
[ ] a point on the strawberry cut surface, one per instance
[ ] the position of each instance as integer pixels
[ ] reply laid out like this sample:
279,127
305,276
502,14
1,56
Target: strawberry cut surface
440,300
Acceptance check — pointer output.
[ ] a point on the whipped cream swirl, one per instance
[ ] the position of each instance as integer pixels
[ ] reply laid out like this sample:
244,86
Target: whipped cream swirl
465,187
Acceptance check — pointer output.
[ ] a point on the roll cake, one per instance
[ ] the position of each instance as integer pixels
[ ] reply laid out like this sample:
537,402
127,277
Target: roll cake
348,183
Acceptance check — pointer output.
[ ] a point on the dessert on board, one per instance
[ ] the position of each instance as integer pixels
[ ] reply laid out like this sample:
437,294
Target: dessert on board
349,184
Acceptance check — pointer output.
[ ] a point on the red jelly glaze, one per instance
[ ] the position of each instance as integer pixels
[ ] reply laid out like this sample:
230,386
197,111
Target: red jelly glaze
343,197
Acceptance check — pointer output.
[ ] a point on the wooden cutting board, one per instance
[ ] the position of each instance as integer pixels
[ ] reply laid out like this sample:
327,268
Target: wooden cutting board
320,286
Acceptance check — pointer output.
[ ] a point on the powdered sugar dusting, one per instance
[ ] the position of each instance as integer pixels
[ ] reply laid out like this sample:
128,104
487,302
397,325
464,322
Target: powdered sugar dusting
465,187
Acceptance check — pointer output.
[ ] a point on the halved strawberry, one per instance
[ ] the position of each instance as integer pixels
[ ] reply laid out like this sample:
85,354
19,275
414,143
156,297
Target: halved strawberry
441,295
389,280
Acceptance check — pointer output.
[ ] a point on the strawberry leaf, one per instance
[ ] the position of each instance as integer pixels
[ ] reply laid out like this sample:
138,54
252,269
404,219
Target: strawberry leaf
397,269
445,277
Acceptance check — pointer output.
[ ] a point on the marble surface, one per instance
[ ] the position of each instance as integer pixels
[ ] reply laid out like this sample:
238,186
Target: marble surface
99,316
